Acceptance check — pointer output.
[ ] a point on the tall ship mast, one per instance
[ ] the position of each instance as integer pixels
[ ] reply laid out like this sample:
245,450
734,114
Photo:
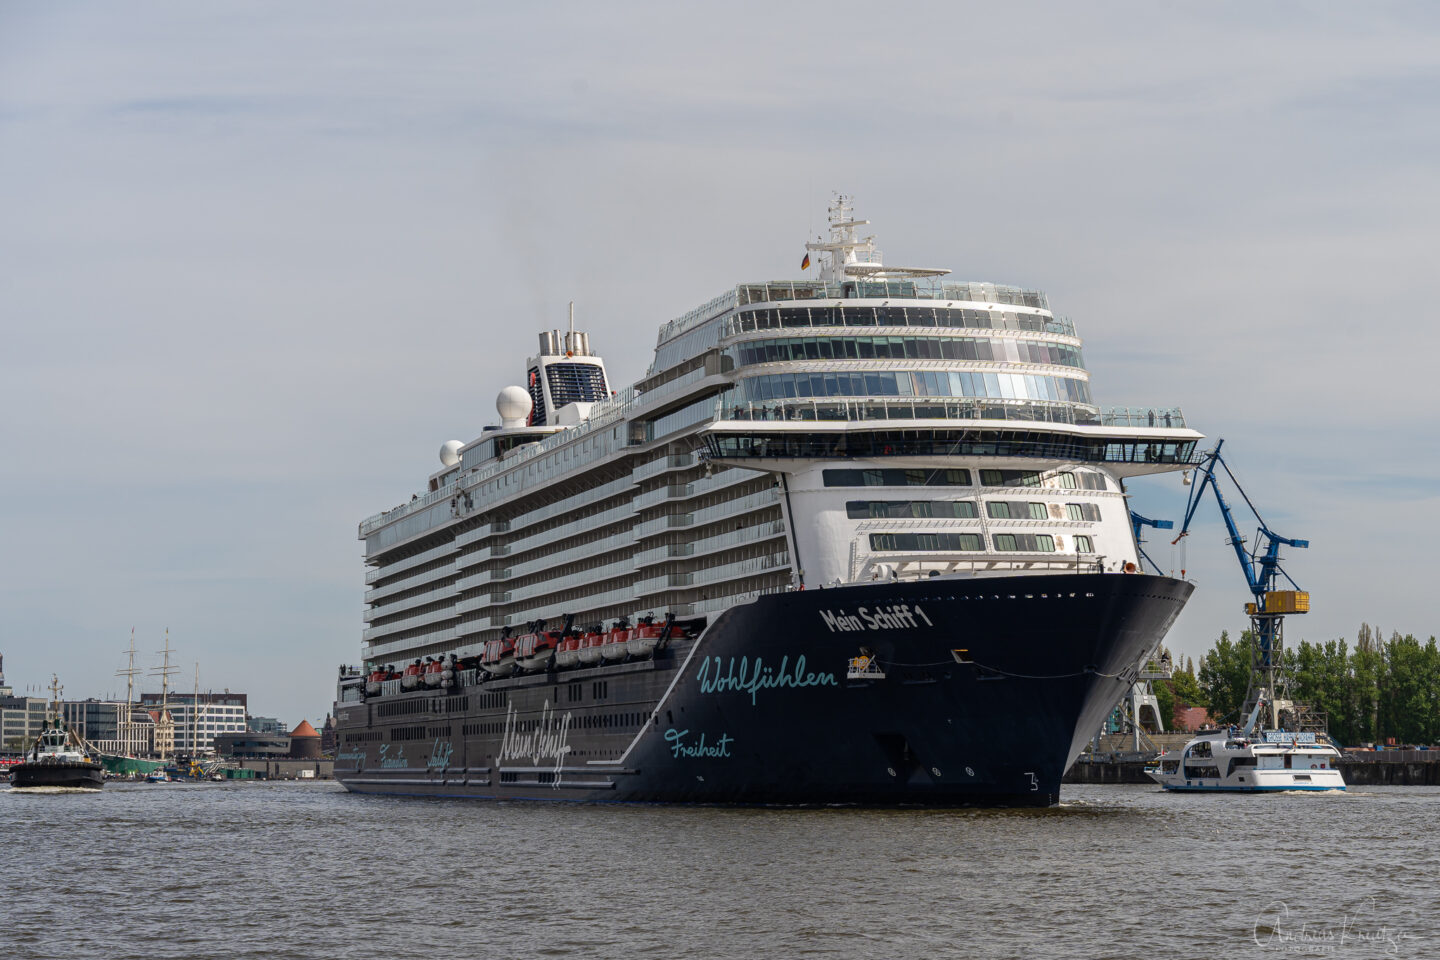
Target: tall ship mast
861,538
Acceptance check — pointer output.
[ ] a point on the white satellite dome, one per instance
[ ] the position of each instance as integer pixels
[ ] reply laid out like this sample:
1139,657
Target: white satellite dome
514,406
450,452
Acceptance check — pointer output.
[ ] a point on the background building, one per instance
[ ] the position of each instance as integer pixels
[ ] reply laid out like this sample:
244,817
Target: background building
248,744
198,720
305,742
21,720
111,726
270,725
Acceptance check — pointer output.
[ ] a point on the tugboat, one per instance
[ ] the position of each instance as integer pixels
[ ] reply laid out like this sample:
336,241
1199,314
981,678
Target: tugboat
1251,760
57,758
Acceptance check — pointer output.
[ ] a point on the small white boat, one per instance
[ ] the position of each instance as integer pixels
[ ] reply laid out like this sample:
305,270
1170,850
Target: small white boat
1226,761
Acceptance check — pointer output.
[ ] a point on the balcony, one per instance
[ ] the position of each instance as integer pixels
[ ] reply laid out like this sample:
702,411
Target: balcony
480,579
663,465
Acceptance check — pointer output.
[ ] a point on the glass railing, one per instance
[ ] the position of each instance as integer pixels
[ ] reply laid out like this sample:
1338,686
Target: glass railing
1030,411
934,288
1141,417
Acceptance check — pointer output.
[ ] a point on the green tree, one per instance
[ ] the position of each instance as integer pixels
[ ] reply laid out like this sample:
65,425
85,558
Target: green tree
1225,676
1188,692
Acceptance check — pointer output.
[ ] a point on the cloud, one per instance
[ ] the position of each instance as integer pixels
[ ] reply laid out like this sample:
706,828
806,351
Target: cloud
260,260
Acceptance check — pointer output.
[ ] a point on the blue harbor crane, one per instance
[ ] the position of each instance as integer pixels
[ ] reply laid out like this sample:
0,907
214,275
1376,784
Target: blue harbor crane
1138,523
1263,575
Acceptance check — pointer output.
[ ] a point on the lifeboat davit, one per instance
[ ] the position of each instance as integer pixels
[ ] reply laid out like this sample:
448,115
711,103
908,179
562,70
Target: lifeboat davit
645,637
498,660
567,654
534,651
410,679
590,643
616,645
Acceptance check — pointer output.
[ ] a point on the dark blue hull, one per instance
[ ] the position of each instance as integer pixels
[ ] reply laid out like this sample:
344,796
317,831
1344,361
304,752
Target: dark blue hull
990,689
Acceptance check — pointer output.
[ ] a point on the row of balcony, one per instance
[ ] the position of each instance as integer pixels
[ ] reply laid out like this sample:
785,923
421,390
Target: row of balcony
481,532
589,524
609,571
583,499
446,612
443,592
380,651
409,583
467,560
409,563
618,541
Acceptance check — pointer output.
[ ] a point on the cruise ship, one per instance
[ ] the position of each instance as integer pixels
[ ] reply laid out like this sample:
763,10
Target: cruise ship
860,537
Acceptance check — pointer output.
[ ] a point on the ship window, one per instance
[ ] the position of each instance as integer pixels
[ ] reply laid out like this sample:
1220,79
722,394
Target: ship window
1083,544
1015,510
1009,478
880,509
1024,543
1083,511
897,478
926,541
1066,480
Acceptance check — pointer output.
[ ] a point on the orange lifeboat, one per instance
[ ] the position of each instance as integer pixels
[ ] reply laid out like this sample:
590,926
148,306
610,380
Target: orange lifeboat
410,679
498,660
615,646
590,644
646,636
567,654
374,683
535,650
434,672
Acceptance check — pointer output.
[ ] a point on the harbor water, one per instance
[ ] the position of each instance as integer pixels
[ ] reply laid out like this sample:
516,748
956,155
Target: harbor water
292,870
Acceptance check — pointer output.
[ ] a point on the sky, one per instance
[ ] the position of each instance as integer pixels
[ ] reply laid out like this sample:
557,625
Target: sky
258,261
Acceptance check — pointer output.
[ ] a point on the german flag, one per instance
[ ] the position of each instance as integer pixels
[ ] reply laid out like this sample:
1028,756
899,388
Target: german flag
805,264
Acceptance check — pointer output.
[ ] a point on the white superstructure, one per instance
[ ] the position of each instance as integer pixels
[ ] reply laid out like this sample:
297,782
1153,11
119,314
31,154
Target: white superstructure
878,422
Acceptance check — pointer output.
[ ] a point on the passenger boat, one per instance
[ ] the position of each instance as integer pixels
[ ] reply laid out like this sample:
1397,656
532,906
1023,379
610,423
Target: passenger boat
873,464
1251,759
